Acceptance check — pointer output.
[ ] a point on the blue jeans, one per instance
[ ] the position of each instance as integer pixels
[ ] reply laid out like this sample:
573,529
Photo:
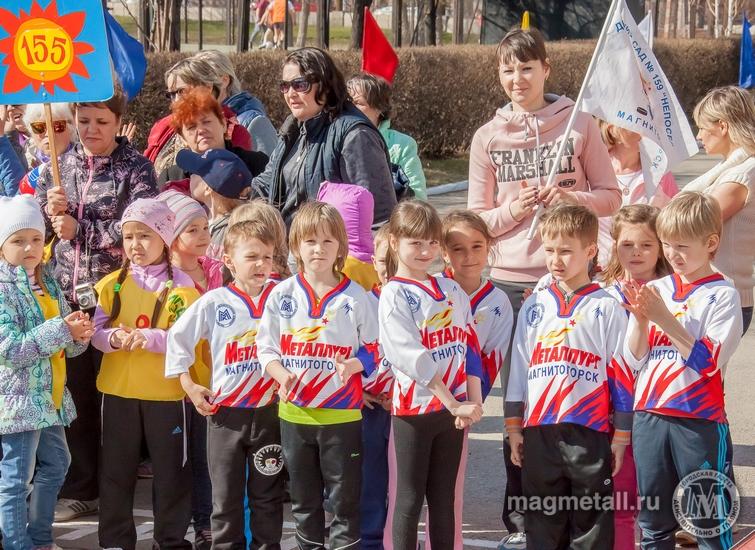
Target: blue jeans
41,456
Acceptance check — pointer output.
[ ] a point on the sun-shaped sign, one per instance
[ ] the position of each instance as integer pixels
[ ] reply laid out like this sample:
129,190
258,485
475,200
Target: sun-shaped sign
53,51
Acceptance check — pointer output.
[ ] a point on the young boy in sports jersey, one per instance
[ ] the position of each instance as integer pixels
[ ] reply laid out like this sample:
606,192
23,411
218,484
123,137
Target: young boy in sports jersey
317,335
243,436
566,378
682,331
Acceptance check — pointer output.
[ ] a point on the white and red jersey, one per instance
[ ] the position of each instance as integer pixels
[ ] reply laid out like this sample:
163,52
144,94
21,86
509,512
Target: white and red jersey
381,380
307,335
493,320
228,319
426,328
566,363
692,387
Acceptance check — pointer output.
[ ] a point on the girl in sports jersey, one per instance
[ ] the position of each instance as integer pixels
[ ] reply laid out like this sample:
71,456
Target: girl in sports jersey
137,304
636,255
427,336
466,244
318,331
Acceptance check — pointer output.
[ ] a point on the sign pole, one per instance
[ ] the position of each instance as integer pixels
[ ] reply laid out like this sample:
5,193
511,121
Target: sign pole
53,149
573,116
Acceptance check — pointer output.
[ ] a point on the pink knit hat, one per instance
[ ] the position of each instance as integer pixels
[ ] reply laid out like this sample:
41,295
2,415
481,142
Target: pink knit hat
154,214
184,207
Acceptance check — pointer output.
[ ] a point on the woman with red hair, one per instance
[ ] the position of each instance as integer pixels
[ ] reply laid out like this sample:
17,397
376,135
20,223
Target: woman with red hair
197,117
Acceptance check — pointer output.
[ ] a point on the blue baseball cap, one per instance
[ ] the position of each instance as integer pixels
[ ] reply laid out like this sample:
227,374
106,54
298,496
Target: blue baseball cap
224,172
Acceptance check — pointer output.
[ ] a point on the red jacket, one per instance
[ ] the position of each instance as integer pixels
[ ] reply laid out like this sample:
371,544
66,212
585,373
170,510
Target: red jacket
162,131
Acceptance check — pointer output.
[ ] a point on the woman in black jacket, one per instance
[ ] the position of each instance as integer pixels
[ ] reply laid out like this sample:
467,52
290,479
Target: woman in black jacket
325,138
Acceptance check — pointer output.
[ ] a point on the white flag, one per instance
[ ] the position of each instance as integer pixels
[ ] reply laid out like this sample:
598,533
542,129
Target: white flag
629,89
646,28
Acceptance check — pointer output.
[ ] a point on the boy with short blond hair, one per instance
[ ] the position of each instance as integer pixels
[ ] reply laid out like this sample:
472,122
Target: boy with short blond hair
566,379
683,330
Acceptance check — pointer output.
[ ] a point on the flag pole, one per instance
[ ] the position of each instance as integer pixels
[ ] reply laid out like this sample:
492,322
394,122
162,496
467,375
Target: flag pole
574,112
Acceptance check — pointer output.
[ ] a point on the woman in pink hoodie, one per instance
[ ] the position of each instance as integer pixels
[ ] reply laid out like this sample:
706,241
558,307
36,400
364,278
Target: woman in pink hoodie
509,163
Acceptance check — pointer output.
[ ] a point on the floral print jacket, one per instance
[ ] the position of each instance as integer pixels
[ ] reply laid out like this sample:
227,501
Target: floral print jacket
100,188
27,342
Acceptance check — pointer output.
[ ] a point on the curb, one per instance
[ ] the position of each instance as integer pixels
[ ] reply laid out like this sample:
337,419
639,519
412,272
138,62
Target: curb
447,188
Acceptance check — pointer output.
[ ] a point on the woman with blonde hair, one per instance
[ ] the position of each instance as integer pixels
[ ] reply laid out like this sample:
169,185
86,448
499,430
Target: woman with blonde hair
725,118
249,110
163,143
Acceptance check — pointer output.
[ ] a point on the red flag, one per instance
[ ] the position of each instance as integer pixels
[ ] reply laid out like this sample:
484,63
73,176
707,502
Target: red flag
378,56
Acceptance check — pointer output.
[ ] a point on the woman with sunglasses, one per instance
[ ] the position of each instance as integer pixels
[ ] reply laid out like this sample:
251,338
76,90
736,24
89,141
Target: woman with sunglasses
163,144
38,148
99,177
325,138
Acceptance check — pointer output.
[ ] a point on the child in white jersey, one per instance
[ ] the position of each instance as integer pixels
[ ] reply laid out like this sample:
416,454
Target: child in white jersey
466,244
566,378
317,333
683,330
426,330
376,424
243,433
636,255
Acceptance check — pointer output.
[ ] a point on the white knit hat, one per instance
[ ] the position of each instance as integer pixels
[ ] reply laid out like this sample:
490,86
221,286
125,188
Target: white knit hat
17,213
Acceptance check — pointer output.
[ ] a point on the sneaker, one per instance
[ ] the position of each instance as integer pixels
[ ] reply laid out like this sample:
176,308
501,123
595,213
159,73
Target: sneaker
203,539
514,541
67,508
685,539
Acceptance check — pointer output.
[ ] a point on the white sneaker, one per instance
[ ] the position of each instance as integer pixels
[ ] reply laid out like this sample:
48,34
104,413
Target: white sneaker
514,541
67,508
685,539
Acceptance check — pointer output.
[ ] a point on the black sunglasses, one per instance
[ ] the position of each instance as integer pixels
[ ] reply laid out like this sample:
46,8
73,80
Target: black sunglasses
175,94
301,85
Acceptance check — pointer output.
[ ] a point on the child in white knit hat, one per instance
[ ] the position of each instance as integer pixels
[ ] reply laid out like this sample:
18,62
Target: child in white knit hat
37,333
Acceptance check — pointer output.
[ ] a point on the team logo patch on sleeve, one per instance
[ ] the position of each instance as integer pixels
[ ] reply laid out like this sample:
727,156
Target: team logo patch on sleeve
224,315
269,460
288,306
412,299
535,314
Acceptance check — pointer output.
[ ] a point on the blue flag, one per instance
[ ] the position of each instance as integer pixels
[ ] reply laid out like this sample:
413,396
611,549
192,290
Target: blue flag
746,59
127,53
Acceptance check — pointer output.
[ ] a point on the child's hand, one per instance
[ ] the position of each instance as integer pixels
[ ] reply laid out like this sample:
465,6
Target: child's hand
80,326
654,308
285,388
370,400
462,423
135,339
516,440
617,457
631,290
346,368
468,409
202,398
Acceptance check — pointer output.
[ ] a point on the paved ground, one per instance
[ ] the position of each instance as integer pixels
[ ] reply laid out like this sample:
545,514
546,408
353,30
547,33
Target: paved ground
485,475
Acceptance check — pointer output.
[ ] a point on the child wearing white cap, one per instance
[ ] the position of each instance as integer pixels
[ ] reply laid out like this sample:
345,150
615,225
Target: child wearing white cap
37,333
137,305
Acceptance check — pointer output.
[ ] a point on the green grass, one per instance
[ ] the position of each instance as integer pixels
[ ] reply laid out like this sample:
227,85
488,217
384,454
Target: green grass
450,170
214,32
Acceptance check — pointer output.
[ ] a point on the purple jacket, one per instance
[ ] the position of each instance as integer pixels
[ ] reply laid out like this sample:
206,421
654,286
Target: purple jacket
356,206
107,185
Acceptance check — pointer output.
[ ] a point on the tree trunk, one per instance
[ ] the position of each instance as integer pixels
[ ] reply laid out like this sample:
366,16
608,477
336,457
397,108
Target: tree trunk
357,23
431,21
301,39
174,40
458,21
242,33
323,24
397,19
